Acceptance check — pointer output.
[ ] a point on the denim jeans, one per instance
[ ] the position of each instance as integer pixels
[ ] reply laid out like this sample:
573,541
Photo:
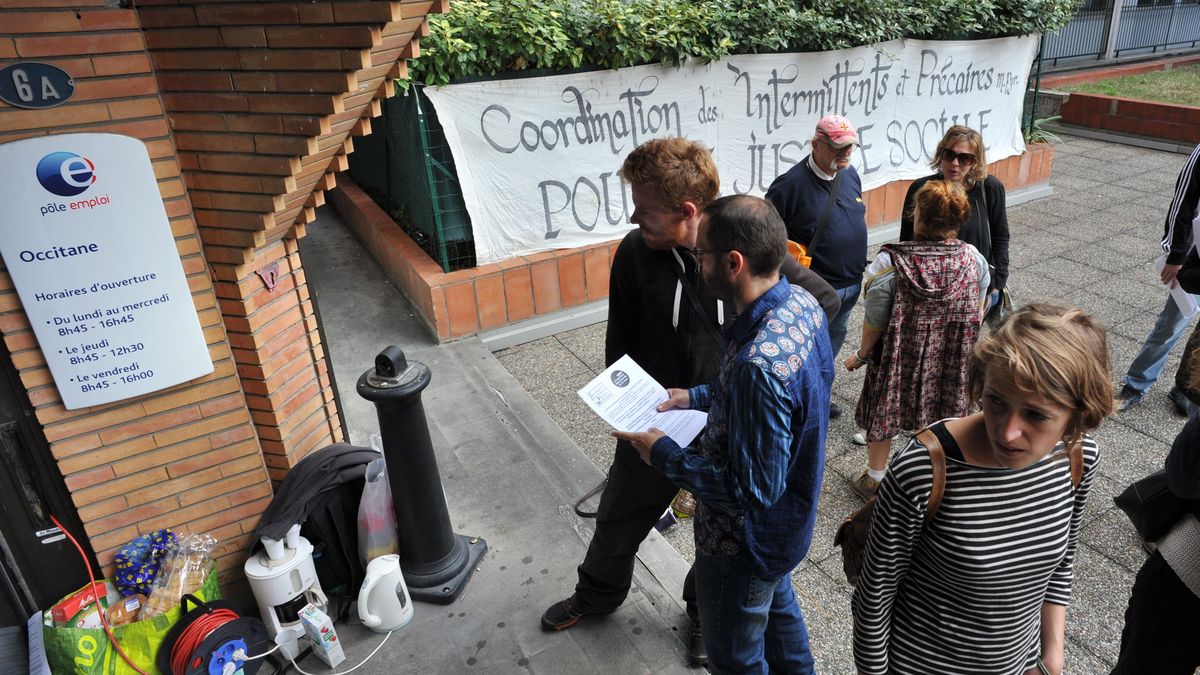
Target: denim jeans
1148,364
750,624
840,323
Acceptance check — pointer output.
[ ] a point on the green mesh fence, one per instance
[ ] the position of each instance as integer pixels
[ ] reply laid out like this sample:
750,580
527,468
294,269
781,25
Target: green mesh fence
406,167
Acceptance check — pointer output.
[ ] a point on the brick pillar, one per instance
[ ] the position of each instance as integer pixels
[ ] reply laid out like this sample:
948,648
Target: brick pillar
264,99
186,457
281,361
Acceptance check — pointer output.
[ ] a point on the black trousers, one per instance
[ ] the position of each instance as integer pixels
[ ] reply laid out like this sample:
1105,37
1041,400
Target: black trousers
635,498
1162,624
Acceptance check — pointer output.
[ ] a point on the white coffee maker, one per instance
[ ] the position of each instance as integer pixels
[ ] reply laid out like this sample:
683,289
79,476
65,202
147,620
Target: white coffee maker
283,580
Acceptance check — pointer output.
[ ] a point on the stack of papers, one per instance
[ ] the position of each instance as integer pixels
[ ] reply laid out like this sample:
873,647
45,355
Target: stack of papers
626,397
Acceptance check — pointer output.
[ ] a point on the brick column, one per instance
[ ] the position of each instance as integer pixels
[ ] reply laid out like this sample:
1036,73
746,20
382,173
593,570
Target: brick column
264,99
186,457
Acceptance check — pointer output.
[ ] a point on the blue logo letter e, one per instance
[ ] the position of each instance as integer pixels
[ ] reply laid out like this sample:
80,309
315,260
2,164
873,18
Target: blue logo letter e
65,173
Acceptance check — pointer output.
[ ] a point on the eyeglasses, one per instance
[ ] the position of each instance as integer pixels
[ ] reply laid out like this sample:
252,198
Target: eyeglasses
697,252
964,158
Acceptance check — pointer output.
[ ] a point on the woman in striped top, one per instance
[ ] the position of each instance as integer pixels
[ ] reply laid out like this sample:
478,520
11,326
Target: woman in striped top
983,586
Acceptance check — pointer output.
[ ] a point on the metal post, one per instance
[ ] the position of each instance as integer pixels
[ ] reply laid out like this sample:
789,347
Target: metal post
1114,28
1037,83
437,563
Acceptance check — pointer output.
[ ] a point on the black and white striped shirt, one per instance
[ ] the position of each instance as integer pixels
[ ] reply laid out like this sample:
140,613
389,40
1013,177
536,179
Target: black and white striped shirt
964,593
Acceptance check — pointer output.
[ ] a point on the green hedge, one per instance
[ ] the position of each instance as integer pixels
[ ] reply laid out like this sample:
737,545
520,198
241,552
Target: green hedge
487,37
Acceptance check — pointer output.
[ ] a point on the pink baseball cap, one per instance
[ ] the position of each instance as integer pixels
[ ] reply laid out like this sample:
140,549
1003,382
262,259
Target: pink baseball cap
838,130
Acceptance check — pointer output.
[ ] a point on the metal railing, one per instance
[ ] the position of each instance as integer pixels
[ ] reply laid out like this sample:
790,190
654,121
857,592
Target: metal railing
407,168
1082,38
1141,29
1150,29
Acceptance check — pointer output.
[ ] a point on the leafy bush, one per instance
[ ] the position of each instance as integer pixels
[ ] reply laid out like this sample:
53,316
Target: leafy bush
487,37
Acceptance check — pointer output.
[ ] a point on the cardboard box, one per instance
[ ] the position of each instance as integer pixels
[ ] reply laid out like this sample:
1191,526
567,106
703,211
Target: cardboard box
319,629
63,612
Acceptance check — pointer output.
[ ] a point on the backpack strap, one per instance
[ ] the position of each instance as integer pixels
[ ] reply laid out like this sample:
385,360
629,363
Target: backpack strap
1075,454
937,457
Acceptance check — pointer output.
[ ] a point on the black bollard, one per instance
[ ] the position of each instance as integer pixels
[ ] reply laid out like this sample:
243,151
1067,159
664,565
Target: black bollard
437,563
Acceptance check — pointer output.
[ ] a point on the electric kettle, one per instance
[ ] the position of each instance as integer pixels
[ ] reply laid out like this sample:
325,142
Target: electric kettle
383,601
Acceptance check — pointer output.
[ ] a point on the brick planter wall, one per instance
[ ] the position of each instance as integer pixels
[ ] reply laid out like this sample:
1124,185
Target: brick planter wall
466,302
1143,118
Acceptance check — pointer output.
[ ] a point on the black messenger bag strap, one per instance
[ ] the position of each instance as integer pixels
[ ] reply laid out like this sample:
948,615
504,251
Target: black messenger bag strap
819,233
713,332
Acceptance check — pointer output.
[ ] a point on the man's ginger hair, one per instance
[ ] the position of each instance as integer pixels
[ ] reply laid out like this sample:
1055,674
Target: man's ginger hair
678,169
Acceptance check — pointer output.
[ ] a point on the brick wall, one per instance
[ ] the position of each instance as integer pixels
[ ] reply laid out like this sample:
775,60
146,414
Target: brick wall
265,99
248,110
186,457
1142,118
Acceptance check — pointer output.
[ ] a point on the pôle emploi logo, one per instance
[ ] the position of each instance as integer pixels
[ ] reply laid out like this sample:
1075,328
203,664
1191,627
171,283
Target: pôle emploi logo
67,174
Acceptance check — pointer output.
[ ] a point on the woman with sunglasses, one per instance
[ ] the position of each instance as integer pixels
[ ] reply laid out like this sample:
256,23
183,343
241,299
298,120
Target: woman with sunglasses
960,158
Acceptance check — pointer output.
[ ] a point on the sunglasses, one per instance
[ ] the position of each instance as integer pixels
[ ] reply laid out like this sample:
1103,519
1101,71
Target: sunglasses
964,158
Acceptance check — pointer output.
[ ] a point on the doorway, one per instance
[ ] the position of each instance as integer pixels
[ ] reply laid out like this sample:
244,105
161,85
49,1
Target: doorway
38,564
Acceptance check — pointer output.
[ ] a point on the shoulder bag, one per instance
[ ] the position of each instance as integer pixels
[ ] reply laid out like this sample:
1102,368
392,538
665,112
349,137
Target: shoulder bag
1152,507
1003,306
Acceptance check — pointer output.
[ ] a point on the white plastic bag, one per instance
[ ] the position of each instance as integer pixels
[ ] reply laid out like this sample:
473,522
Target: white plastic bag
376,519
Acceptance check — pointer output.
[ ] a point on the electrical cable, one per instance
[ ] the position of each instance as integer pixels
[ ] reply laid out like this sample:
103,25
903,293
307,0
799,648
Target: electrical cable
360,665
92,580
242,655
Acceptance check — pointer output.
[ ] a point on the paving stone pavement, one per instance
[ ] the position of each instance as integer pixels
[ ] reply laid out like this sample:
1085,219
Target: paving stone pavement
1092,244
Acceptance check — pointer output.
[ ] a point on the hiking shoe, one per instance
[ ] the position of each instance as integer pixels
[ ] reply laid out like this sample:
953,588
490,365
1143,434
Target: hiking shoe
1181,402
562,615
859,438
1127,398
696,647
835,410
864,486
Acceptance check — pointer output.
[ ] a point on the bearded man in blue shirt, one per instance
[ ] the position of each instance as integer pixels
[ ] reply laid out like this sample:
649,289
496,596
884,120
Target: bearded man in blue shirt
756,469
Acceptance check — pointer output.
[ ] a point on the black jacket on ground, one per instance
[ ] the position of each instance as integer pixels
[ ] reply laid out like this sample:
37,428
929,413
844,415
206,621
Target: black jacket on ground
323,471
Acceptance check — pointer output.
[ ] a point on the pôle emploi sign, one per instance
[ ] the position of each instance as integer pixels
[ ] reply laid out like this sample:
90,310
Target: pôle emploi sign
85,237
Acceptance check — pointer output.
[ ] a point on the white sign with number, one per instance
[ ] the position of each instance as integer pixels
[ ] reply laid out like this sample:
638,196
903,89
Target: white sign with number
86,240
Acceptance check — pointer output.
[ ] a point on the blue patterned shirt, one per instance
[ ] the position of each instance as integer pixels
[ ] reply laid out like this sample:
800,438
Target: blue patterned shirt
756,469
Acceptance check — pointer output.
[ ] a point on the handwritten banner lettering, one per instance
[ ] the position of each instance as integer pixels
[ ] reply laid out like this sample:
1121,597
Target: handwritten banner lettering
537,158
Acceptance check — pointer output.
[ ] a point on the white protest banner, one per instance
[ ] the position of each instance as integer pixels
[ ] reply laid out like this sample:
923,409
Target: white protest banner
86,239
537,157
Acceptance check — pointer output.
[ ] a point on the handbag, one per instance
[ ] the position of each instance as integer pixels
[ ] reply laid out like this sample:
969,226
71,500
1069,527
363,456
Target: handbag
1152,507
1003,306
852,535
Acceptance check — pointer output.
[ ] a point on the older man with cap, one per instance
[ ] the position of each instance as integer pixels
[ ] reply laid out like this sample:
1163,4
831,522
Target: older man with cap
821,202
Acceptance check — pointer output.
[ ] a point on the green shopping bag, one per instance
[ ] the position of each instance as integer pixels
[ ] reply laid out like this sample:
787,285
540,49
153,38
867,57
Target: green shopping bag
87,651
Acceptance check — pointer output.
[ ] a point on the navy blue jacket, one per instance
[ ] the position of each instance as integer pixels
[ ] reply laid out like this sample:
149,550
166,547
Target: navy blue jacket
800,195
